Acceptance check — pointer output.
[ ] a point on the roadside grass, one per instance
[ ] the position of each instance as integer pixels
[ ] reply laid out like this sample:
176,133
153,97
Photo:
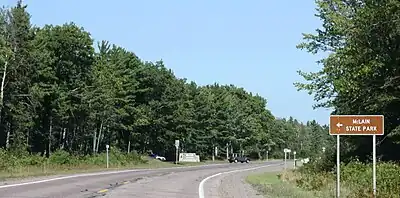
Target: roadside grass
20,165
271,185
356,179
47,169
17,166
314,181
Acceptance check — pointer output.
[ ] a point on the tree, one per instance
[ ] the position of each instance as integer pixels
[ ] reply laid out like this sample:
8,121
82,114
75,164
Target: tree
360,74
58,93
15,44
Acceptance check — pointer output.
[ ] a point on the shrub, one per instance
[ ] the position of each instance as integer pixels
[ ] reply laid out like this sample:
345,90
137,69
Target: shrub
20,163
61,157
356,177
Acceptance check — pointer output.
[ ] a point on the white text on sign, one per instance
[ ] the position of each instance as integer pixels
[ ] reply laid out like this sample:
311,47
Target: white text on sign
356,125
361,121
361,128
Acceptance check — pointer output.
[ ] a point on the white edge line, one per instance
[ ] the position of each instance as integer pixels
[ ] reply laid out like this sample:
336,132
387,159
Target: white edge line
201,185
99,173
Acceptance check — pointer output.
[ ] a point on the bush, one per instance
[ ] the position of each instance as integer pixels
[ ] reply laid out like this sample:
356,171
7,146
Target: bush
22,163
314,181
61,157
356,177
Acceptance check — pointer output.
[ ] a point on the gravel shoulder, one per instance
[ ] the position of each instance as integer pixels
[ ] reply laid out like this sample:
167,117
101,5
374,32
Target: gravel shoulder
233,185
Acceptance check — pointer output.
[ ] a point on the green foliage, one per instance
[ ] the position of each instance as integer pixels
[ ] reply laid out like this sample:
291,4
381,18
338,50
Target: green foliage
312,180
271,185
25,164
358,176
64,102
356,179
61,157
360,74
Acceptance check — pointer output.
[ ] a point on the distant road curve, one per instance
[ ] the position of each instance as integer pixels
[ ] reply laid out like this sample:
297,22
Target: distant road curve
114,183
224,181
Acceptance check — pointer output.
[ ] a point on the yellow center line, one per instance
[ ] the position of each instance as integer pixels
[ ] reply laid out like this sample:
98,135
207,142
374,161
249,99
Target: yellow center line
106,190
102,191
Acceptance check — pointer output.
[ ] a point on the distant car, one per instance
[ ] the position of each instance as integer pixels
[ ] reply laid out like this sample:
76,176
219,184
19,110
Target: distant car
305,160
161,158
239,159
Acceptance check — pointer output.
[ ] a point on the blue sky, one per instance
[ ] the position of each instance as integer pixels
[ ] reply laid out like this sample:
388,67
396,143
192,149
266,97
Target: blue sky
251,45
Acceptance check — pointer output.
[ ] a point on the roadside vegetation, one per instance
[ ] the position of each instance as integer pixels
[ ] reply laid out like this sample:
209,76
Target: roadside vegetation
23,165
356,180
62,102
20,165
271,185
310,181
360,75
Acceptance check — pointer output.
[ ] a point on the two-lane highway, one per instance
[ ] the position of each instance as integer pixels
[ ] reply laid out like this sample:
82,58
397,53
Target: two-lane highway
165,182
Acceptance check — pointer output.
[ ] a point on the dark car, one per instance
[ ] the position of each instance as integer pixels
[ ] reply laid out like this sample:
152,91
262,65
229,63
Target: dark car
239,159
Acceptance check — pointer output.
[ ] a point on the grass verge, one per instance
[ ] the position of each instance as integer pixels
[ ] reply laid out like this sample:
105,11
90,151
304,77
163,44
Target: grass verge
315,180
57,169
271,185
355,179
19,166
275,185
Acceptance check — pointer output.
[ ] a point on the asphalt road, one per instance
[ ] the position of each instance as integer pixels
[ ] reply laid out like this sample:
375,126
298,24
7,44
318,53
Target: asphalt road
199,181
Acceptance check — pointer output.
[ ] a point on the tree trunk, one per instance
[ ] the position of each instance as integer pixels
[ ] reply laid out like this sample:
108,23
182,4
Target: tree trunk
27,139
8,135
64,133
3,82
50,135
129,146
72,144
259,152
99,137
94,141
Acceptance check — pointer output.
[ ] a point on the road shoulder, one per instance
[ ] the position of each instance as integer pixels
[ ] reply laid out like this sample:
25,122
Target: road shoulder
172,185
270,185
233,184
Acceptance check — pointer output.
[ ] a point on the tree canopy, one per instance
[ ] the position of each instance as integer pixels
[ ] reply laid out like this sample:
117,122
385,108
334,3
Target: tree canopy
58,92
361,73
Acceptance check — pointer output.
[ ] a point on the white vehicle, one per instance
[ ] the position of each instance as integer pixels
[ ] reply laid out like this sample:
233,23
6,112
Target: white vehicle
155,156
160,158
305,161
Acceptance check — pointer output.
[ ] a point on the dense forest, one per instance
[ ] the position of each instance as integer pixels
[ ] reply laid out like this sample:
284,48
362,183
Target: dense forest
361,73
60,90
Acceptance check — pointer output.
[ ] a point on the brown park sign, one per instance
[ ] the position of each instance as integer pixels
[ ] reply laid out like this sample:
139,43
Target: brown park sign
356,125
